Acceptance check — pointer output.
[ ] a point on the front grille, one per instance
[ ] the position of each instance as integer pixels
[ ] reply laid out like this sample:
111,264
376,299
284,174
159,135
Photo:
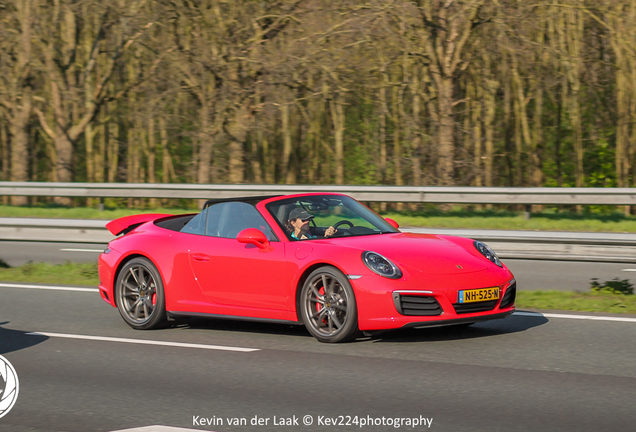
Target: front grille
509,298
464,308
416,305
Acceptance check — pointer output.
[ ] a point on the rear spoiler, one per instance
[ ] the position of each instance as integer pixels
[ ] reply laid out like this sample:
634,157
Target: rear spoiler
126,224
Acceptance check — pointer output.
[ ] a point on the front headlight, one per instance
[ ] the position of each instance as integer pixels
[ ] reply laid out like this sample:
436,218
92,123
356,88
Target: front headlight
381,265
486,251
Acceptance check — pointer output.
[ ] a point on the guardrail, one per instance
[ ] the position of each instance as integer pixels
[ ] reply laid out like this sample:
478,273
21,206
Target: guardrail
406,194
533,245
54,230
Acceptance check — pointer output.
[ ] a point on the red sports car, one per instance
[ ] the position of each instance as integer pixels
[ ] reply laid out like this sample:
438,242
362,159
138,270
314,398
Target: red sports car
325,261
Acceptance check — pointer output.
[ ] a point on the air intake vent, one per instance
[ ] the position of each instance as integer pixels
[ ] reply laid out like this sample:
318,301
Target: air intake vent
509,298
483,306
416,305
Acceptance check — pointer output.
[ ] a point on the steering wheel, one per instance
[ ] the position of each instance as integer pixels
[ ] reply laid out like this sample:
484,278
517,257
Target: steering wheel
343,222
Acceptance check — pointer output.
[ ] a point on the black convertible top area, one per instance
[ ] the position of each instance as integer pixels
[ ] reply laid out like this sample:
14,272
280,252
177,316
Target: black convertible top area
178,222
253,200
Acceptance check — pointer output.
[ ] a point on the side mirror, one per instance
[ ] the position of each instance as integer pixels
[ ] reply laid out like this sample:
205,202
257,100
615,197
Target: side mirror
393,223
253,236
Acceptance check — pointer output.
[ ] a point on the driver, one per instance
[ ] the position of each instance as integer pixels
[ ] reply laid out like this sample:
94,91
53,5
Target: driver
298,225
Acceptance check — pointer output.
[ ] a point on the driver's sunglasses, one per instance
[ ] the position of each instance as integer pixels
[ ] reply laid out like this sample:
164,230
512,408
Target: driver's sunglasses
306,220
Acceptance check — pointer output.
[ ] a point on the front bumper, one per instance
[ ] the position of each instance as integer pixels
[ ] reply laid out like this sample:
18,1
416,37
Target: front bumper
451,322
379,304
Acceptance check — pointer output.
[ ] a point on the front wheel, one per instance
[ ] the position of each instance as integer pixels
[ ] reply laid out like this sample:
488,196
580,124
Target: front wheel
140,296
328,306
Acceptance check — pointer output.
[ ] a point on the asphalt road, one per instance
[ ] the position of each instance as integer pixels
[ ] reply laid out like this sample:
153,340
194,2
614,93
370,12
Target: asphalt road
524,373
17,253
531,274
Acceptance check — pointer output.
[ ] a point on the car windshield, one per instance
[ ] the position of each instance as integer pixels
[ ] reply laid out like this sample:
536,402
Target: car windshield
346,215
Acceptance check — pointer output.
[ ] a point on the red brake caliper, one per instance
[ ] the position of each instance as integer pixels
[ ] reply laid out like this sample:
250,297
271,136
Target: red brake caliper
319,306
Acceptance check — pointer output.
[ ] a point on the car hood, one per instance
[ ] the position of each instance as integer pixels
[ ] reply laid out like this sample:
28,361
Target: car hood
425,253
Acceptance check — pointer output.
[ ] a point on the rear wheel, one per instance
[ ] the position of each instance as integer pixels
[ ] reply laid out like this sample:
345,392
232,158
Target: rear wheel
328,306
140,296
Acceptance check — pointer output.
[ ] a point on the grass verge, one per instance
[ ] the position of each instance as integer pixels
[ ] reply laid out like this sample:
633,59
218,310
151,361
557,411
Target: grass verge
546,221
86,274
573,301
58,274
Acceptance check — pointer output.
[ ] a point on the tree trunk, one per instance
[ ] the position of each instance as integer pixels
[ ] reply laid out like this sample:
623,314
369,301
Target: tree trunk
492,85
446,132
415,128
20,146
113,150
288,169
150,157
537,138
622,110
5,164
100,155
574,36
383,114
317,108
507,122
453,23
238,134
20,99
131,160
64,166
537,125
397,139
338,119
256,140
476,120
206,142
4,153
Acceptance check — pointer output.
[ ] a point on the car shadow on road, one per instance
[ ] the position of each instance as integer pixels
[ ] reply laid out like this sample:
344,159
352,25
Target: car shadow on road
242,326
513,324
16,340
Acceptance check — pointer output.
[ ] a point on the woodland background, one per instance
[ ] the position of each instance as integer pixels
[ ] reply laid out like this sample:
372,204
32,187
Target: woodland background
426,92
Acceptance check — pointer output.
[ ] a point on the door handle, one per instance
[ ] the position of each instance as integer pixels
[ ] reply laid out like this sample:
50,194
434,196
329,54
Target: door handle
200,257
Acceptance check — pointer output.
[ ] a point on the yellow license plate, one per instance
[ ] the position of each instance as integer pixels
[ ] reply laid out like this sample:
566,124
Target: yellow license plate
477,295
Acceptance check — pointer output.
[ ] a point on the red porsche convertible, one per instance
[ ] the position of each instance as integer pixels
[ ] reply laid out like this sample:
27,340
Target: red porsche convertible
325,261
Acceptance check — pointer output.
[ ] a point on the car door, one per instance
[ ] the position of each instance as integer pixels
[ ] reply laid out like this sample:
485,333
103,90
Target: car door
238,275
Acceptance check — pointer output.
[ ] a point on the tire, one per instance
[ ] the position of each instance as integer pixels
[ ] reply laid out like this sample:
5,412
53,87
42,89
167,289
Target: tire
140,296
328,306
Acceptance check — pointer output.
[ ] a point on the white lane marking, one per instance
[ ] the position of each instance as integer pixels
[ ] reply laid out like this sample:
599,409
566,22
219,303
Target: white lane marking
634,270
47,287
144,342
157,428
82,250
579,317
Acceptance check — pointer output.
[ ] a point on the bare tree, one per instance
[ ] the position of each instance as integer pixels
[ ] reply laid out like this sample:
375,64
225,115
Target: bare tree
451,26
16,83
74,76
219,44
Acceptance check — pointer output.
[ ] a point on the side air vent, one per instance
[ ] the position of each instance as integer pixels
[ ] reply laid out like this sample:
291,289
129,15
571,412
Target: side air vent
483,306
510,296
416,305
